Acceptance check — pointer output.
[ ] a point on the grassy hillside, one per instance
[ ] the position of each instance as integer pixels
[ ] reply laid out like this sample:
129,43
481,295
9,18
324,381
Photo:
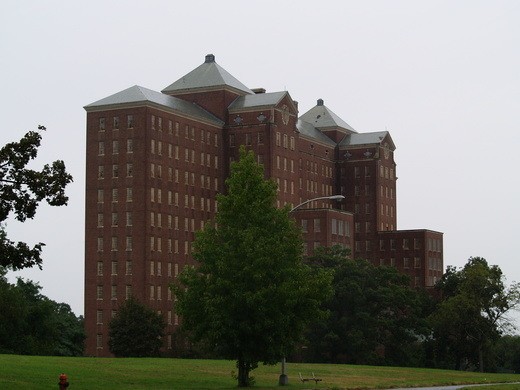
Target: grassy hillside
34,372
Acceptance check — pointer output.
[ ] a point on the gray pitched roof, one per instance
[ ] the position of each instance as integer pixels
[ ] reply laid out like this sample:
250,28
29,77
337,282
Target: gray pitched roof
365,139
208,75
141,95
257,100
322,117
307,129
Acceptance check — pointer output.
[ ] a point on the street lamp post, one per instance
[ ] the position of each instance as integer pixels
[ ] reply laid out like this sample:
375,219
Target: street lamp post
284,380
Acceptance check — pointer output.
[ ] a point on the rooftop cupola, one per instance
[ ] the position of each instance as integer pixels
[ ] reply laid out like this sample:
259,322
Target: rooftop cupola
320,102
209,58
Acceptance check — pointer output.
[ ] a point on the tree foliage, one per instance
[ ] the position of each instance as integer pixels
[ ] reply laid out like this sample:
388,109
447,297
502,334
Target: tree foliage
251,296
32,324
472,313
375,317
135,331
21,191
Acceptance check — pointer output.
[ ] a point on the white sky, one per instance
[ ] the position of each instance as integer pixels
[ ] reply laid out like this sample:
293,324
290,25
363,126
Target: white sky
441,76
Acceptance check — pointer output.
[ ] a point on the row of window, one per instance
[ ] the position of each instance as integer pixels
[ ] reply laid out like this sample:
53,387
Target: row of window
285,141
169,317
407,262
99,339
155,268
116,171
157,124
385,172
156,243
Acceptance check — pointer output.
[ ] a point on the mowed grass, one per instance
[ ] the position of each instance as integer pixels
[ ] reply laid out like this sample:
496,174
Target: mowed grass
36,372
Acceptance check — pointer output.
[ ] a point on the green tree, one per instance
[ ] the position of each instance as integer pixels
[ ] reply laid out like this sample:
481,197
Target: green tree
32,324
135,331
251,296
374,315
472,313
21,191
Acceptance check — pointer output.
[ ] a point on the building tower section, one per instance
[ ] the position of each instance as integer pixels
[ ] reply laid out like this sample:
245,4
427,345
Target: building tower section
155,162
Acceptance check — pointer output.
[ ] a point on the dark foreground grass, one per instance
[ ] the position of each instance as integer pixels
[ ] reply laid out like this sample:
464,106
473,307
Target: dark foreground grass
35,372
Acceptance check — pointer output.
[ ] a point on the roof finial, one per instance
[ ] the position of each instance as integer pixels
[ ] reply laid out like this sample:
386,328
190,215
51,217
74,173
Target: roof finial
320,102
210,58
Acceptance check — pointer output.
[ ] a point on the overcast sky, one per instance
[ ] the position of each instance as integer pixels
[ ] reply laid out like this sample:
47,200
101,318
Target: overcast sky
441,76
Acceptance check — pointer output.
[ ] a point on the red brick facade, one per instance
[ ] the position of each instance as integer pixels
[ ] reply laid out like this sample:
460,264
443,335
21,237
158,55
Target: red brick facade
156,163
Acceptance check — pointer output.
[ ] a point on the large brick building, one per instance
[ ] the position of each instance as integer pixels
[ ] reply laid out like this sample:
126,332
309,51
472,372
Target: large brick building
156,160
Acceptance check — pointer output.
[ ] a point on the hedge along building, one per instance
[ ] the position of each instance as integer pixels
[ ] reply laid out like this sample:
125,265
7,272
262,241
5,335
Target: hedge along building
157,160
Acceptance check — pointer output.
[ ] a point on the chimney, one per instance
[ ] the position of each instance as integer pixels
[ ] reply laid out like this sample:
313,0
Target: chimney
258,90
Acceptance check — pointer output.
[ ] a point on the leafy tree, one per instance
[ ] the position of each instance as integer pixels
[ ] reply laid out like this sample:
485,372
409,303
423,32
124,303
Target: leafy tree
251,296
32,324
135,331
21,191
472,313
375,317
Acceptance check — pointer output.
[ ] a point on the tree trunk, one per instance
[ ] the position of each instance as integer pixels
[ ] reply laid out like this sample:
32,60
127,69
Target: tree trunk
243,373
480,358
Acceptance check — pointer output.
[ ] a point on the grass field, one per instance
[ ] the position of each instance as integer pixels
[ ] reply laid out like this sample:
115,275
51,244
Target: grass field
35,372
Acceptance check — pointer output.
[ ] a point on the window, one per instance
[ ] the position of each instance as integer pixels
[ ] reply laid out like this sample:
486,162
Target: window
368,246
101,172
99,292
129,194
356,172
116,122
248,139
406,263
231,140
130,121
100,195
260,138
417,262
406,244
416,243
128,268
115,194
317,225
115,219
115,171
392,244
100,268
99,317
114,244
381,245
114,268
115,147
153,121
128,289
334,225
367,171
100,244
99,341
102,124
101,148
129,170
357,227
278,139
128,218
100,220
128,244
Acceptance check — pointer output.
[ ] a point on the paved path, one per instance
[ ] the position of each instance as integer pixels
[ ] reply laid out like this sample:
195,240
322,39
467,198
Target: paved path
453,387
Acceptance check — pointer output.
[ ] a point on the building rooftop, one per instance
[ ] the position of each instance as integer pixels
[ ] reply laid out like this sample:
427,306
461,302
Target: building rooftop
258,100
206,76
321,117
141,95
376,137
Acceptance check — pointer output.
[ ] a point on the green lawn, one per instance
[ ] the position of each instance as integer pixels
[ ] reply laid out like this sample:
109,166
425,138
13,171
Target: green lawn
35,372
